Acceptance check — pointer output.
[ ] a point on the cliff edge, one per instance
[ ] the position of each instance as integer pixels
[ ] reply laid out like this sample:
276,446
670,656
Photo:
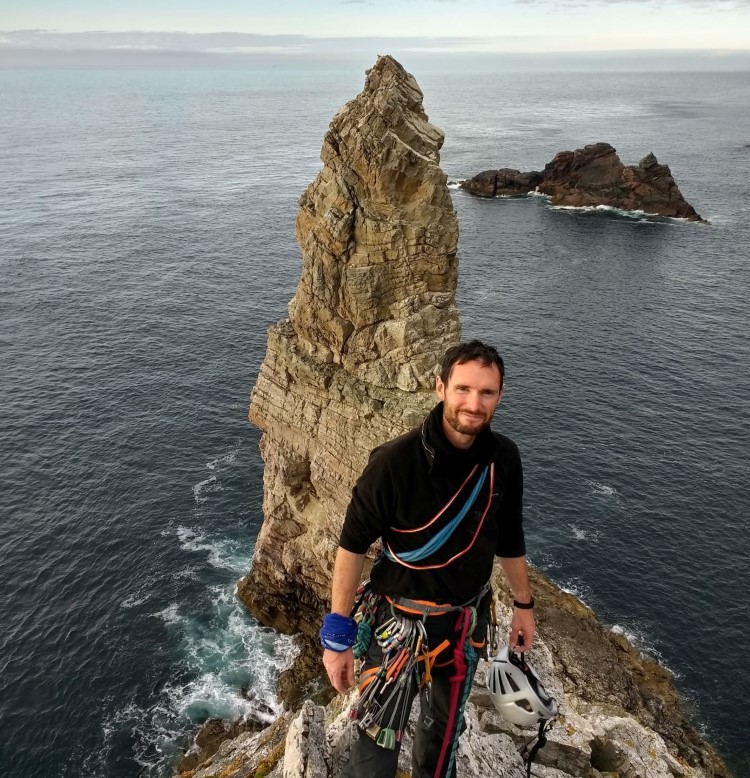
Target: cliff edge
620,715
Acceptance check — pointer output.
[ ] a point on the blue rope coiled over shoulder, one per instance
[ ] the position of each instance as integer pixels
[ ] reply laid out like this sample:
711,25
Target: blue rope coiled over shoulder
442,537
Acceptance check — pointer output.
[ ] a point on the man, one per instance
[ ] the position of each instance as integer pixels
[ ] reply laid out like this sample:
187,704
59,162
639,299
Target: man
446,499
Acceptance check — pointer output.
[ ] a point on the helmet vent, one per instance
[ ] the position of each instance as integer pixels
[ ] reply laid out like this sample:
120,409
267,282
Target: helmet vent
517,692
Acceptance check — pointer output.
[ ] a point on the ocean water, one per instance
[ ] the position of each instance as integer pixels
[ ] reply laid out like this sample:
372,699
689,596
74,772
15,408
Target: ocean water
146,244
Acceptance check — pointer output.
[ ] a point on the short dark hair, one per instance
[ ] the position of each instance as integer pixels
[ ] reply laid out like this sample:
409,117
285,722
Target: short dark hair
471,351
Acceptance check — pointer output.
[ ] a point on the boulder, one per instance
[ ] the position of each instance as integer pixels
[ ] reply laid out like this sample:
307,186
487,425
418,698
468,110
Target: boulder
504,182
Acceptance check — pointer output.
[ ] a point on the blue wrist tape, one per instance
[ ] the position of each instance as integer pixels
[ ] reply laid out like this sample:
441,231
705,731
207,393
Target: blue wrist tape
338,632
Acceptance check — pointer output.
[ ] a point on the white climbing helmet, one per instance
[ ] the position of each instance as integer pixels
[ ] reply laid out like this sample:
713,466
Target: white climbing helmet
517,692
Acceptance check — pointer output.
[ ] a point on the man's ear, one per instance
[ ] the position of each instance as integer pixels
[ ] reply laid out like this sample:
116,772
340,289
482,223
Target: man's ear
439,388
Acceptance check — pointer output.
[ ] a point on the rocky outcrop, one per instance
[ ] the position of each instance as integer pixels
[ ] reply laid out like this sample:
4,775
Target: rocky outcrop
620,715
504,182
354,363
591,176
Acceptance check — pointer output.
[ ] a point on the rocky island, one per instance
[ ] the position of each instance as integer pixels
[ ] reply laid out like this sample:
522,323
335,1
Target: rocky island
591,176
352,366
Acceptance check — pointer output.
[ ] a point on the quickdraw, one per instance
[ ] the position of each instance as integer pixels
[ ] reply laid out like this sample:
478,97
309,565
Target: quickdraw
386,691
364,612
388,687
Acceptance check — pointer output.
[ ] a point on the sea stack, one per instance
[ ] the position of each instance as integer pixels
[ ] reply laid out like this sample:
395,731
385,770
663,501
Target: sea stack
590,176
351,367
354,364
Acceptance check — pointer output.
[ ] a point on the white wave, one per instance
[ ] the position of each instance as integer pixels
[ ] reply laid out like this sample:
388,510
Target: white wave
618,629
578,590
232,665
186,574
143,592
603,489
578,533
170,614
223,554
210,484
156,735
588,534
224,459
637,637
638,215
604,208
211,697
537,193
134,600
455,184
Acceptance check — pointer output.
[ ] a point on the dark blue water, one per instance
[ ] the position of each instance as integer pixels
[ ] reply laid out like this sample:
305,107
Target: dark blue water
146,243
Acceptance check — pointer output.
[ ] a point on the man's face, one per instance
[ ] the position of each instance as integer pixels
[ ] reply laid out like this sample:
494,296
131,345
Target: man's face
469,400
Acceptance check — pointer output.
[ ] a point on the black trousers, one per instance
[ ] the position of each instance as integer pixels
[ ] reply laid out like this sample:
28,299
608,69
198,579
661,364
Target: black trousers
368,759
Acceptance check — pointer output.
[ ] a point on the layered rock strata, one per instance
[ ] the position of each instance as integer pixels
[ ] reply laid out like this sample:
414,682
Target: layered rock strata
354,363
591,176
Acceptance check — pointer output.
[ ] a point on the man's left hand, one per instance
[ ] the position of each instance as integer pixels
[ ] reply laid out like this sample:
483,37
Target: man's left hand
522,630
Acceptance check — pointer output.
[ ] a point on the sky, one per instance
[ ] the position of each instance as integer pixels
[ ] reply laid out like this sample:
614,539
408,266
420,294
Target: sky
717,30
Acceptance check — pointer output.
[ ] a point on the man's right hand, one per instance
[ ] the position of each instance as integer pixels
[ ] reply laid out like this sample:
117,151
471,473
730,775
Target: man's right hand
340,669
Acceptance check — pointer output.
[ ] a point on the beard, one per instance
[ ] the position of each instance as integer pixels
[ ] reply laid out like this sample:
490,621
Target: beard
466,424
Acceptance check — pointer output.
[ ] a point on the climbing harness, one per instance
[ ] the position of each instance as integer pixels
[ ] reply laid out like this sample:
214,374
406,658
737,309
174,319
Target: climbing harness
386,692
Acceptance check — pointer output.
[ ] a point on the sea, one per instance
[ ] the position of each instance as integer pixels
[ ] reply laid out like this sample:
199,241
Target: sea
146,245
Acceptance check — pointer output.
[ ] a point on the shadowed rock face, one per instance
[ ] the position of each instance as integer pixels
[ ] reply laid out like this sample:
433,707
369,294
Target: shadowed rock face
593,175
354,364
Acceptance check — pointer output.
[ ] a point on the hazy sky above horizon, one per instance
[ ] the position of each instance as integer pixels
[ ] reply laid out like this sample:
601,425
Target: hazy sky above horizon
242,28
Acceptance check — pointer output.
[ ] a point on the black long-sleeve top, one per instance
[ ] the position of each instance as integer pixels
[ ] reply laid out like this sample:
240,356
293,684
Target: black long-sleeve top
408,481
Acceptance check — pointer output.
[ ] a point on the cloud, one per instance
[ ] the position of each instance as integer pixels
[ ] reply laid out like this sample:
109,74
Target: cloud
215,42
709,5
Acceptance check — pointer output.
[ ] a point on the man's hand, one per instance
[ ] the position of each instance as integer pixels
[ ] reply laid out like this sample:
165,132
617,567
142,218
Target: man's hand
522,630
340,669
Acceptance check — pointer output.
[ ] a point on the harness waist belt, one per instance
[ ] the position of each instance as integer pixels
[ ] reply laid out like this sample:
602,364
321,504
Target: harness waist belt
427,608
